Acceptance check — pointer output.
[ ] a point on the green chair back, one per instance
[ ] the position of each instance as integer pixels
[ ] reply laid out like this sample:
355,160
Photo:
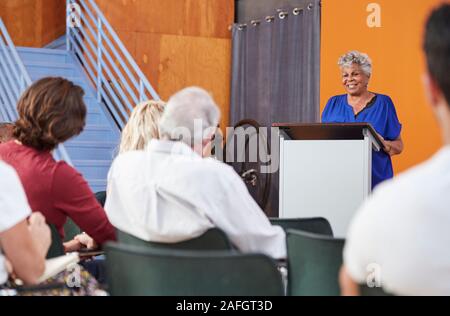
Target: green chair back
316,225
101,197
56,247
213,239
314,262
70,230
139,271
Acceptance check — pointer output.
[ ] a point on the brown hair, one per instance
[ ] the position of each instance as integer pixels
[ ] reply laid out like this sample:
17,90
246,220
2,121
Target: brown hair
6,132
50,112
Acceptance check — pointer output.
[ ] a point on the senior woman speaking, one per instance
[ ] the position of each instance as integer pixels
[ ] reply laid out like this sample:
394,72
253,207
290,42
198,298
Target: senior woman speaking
360,105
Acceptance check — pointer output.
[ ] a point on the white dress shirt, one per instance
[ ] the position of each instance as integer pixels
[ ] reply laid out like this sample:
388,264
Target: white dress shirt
14,206
401,235
168,193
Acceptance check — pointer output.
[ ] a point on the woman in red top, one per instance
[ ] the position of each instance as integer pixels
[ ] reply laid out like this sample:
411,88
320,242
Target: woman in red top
50,112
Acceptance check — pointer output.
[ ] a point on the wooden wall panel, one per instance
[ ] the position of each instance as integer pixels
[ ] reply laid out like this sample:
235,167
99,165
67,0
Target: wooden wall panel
206,18
149,59
20,20
33,23
198,61
53,20
178,43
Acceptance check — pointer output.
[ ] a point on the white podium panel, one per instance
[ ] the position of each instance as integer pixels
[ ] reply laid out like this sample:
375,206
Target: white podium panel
324,178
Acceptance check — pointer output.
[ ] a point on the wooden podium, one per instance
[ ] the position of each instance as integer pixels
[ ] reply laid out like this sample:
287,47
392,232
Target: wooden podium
325,170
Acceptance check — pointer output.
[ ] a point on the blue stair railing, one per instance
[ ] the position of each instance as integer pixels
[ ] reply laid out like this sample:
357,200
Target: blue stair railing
119,82
14,79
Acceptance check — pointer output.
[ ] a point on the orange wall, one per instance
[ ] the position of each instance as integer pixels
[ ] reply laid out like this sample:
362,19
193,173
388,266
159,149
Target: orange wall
178,43
34,23
395,49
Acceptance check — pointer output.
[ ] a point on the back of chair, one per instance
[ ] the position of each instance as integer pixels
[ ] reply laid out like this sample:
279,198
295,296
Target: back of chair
56,247
101,197
71,229
212,239
316,225
314,262
139,271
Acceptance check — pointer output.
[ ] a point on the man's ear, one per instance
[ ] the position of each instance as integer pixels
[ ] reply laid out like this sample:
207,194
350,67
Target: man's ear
432,91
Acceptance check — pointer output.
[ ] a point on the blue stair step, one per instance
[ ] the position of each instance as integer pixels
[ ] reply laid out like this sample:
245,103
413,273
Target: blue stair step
42,69
91,150
2,119
95,118
91,104
59,43
95,169
98,185
43,55
76,80
96,133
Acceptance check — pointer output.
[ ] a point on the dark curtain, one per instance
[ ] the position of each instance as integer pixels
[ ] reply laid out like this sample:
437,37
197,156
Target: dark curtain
276,72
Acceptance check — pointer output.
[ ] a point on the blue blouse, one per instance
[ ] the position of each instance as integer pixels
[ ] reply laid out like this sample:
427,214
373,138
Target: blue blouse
381,114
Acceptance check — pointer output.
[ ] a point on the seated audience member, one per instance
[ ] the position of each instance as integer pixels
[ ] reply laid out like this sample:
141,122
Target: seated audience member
23,245
52,111
6,132
170,193
142,126
400,234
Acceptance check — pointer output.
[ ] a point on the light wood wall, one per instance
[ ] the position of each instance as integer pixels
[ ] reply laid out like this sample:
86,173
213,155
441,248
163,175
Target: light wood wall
178,43
34,23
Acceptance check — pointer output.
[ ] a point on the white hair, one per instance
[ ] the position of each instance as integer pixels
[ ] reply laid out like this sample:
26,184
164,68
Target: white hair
358,58
190,116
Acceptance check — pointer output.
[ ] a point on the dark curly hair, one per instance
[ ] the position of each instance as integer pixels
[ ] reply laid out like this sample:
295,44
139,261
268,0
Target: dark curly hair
437,47
50,111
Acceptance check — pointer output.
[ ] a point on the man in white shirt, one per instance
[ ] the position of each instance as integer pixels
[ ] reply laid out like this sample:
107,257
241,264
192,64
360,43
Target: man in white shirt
400,237
169,192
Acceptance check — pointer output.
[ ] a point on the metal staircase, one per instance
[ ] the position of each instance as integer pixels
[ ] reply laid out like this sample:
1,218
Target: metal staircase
92,151
95,59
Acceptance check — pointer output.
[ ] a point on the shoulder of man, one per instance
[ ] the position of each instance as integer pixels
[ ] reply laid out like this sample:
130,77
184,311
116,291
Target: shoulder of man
210,172
7,172
129,158
408,190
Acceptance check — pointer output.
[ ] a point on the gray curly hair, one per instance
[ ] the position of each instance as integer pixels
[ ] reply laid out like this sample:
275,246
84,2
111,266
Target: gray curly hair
358,58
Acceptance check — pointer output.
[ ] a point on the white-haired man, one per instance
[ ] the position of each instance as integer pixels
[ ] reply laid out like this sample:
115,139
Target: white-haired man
170,193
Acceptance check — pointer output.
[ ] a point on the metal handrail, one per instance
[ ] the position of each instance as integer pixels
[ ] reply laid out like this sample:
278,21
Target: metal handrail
119,81
14,79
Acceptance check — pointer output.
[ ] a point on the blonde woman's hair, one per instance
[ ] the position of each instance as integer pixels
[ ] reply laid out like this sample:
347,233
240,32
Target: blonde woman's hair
142,126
